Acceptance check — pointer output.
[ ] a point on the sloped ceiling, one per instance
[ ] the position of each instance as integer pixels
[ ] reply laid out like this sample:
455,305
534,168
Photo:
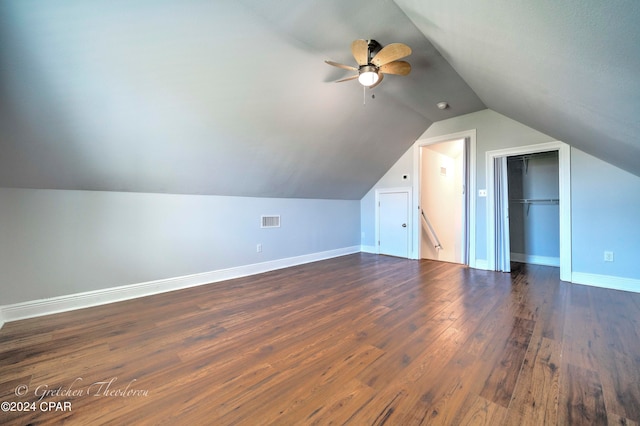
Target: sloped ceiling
209,97
570,68
233,98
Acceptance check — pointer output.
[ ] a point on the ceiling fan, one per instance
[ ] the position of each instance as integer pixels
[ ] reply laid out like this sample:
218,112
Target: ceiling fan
374,61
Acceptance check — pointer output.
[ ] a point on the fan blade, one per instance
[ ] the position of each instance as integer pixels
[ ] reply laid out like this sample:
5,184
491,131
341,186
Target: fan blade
353,77
346,67
377,82
396,67
391,53
360,50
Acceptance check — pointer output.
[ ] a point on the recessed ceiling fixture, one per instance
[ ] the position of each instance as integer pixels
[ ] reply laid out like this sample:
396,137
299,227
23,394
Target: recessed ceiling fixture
442,105
374,61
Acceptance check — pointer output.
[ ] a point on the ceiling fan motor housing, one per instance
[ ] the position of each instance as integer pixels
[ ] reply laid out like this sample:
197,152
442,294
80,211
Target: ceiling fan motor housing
374,48
368,68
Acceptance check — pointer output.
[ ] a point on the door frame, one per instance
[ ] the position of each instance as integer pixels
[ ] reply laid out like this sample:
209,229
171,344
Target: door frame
408,191
564,182
471,190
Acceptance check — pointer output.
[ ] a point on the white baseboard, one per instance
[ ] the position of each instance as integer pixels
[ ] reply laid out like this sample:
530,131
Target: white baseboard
36,308
369,249
535,260
606,281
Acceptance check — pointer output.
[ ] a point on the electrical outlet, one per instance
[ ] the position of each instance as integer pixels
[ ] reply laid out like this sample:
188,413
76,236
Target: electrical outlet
482,193
608,256
259,248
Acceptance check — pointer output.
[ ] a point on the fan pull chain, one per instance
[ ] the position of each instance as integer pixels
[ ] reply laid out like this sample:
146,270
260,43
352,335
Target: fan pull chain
364,95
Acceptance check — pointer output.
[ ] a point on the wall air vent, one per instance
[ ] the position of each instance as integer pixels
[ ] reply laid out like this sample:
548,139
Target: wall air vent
270,221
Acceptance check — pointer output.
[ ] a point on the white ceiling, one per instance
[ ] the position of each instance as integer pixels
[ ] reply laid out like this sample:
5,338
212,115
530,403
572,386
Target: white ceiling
233,98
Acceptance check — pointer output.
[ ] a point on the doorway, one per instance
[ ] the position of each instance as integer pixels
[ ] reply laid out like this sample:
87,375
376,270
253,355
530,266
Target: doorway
455,166
498,232
443,201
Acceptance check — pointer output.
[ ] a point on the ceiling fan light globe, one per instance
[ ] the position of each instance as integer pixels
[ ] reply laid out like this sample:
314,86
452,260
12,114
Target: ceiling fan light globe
368,76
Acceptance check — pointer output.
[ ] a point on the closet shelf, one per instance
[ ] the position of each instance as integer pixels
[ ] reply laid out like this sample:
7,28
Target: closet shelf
526,157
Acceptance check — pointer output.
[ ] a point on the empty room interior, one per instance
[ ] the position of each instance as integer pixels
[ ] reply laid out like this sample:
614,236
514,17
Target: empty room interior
301,212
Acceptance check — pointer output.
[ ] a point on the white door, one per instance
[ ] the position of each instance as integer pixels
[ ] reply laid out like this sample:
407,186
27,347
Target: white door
394,223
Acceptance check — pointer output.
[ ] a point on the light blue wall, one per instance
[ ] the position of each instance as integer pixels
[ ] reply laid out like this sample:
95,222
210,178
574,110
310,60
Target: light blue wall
55,243
606,216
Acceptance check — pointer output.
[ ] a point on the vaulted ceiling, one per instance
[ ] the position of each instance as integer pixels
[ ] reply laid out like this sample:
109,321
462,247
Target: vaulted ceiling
233,98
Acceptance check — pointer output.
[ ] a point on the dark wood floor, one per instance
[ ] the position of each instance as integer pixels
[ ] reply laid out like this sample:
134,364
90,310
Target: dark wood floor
360,339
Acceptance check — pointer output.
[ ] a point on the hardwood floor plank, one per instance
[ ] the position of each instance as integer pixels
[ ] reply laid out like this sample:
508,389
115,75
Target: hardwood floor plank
581,338
584,402
499,386
479,411
553,317
535,399
615,420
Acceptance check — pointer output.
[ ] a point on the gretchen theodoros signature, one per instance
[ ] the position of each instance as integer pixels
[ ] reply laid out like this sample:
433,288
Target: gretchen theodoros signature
78,388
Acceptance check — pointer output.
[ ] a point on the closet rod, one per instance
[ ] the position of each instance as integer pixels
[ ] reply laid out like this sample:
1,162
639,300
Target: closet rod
530,201
535,200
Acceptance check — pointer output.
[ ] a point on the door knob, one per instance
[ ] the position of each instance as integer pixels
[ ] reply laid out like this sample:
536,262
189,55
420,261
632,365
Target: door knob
404,225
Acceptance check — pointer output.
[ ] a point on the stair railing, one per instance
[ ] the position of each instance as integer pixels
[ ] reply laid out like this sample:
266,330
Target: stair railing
431,232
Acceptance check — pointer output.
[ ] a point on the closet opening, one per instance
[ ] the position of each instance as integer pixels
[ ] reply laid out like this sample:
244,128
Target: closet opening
533,208
540,244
